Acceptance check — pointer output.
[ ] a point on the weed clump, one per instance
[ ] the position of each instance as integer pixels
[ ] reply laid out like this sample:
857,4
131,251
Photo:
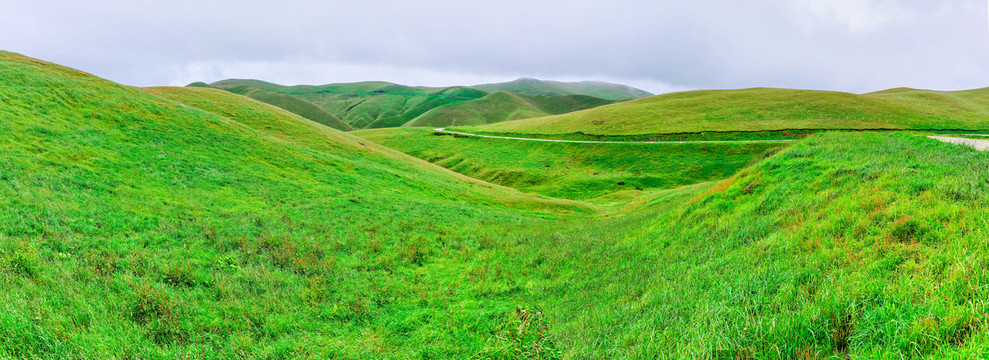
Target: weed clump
523,334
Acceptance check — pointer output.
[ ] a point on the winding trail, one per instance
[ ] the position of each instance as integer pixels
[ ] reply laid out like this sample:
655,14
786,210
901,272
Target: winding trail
981,145
613,142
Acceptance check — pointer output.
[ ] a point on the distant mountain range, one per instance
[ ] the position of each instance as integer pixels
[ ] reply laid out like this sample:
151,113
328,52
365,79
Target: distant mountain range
367,105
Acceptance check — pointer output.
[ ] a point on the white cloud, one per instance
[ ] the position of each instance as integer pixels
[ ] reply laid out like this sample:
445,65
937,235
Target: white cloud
856,15
659,45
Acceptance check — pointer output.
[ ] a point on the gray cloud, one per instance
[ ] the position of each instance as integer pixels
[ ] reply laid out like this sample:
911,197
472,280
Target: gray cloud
850,45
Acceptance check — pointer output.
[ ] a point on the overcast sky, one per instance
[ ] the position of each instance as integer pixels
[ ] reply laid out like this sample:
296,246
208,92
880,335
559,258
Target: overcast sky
658,45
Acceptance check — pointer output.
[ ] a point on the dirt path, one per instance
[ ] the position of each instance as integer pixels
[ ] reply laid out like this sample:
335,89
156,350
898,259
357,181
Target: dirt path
981,145
614,142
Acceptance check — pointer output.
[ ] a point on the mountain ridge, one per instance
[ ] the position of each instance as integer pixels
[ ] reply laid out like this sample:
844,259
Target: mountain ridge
374,104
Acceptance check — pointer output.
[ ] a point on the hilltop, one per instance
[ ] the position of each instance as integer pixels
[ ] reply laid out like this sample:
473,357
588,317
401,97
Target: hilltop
366,104
769,109
598,89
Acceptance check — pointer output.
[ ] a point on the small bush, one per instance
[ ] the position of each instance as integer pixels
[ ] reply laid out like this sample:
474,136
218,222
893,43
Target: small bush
907,229
150,304
181,274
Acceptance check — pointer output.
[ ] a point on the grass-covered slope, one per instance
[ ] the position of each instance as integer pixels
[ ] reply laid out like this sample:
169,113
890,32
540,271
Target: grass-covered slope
853,245
203,224
572,170
503,106
293,104
768,109
602,90
968,106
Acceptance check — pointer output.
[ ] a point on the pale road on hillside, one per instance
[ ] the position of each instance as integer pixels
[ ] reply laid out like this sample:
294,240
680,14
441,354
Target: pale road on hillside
611,142
981,145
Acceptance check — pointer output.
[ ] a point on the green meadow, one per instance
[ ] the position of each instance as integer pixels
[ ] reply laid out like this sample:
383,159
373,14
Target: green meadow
162,223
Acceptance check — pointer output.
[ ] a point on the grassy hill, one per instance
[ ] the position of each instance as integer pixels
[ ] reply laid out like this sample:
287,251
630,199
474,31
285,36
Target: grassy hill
366,86
503,106
158,223
571,170
195,223
769,109
367,104
602,90
845,245
292,104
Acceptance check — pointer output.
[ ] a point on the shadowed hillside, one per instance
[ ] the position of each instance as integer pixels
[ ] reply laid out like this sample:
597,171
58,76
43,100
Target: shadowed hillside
369,105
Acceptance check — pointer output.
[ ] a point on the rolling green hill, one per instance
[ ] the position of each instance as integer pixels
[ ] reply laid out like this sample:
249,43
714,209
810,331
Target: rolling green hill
602,90
503,106
768,109
195,223
369,105
160,222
